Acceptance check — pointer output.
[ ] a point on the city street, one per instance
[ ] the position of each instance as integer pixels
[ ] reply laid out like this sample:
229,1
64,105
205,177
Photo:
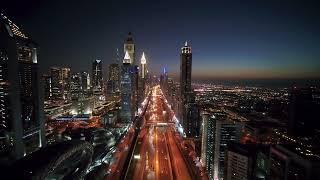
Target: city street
156,155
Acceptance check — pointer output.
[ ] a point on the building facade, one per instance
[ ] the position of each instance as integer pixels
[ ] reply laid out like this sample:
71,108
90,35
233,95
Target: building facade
85,83
113,83
207,145
22,125
66,82
126,90
97,77
47,87
188,110
185,69
76,86
56,83
217,132
129,47
247,161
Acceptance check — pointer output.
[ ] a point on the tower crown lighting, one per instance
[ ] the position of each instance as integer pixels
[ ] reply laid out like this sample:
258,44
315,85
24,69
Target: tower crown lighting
126,58
143,59
186,49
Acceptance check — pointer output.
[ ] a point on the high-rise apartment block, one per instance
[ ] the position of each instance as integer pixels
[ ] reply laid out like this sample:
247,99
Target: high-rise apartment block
217,132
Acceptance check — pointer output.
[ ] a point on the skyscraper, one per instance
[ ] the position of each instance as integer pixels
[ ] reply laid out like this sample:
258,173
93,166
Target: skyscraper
75,87
172,94
207,145
217,132
47,87
114,72
189,112
85,83
60,83
97,80
185,69
164,81
66,81
56,83
113,79
142,78
135,88
130,48
126,90
303,111
22,125
143,66
247,161
293,162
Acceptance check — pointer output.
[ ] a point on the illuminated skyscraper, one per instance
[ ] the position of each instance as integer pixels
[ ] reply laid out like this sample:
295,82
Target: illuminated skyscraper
189,112
185,69
66,81
142,78
172,94
76,86
143,66
97,80
113,79
47,87
21,112
114,72
217,132
85,81
56,83
126,90
207,145
130,48
135,88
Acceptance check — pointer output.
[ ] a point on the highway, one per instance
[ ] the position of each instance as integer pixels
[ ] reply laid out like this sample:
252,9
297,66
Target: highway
156,154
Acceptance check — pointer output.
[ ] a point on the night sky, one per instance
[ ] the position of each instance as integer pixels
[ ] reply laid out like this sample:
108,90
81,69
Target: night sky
230,39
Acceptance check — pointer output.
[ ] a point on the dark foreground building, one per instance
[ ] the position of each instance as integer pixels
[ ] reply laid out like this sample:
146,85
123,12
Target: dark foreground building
279,162
65,160
21,105
304,109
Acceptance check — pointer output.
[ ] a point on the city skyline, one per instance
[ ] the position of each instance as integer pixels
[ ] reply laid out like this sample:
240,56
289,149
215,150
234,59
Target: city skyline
130,118
230,40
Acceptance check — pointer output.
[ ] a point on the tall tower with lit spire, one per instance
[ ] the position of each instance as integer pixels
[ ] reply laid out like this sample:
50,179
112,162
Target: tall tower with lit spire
130,48
126,89
143,66
126,59
189,112
185,68
142,78
97,77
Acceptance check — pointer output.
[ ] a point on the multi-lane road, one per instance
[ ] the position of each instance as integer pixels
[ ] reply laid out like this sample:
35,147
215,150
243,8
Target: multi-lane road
156,154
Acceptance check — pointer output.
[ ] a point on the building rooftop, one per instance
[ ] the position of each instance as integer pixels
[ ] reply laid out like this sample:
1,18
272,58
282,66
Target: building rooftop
297,151
13,29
